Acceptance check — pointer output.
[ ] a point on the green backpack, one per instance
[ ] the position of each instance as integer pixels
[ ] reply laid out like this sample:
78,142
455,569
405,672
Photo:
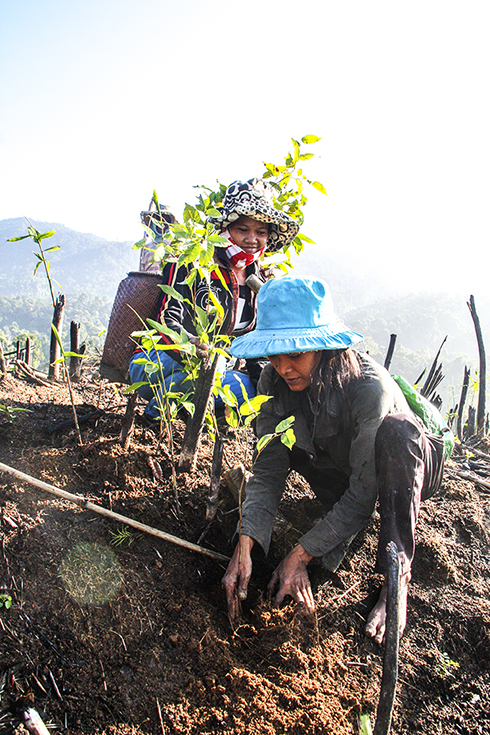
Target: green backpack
429,414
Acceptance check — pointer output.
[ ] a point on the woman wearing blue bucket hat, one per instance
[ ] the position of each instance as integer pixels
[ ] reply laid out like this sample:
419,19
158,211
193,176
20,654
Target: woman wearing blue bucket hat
357,444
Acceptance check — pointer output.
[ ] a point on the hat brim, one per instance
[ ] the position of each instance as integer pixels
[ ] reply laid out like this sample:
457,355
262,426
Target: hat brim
267,342
283,229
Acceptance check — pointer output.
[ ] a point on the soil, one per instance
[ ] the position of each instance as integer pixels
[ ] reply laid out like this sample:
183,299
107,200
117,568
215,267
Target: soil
111,631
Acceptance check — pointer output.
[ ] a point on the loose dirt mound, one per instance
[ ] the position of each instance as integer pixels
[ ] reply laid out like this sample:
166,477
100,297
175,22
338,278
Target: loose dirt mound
134,638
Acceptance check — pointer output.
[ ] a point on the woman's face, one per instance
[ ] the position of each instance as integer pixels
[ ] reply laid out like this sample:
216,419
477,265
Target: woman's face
249,234
296,368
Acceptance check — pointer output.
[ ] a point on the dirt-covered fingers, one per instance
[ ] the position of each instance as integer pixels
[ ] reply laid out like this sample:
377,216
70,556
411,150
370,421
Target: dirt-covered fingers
237,577
291,578
202,348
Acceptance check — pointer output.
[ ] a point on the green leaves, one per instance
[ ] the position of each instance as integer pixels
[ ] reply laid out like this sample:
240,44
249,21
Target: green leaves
365,725
171,292
283,430
175,336
253,405
288,182
263,442
16,239
37,237
44,235
5,600
310,139
10,412
288,438
284,425
191,214
304,238
319,187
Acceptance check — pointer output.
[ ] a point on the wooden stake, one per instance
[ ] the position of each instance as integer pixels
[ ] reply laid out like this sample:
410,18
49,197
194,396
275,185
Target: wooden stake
391,349
480,417
392,638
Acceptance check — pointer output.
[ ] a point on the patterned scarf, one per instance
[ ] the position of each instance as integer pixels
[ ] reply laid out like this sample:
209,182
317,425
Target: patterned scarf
238,257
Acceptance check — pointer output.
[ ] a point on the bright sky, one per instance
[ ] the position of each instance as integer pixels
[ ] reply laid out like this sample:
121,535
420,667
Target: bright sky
104,101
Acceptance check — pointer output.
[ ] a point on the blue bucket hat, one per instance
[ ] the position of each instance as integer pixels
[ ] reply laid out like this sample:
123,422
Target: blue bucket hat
294,314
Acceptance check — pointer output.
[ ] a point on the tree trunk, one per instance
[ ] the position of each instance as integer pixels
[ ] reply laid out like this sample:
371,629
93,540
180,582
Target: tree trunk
28,351
192,436
434,377
391,349
54,349
3,368
462,401
75,362
128,422
470,429
482,376
212,502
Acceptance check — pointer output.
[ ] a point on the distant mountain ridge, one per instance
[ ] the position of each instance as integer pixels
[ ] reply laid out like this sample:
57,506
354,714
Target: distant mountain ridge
84,263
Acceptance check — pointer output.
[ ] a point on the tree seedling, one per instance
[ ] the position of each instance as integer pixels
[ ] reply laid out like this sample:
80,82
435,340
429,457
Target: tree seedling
122,536
10,412
5,600
446,667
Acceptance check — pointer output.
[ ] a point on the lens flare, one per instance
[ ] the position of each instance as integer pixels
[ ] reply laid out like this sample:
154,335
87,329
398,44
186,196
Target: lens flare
91,573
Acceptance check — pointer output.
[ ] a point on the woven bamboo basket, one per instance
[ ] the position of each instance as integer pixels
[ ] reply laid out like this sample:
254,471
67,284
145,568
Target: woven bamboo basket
138,291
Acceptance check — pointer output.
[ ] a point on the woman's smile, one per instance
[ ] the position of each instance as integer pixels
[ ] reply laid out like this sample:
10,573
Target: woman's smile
249,234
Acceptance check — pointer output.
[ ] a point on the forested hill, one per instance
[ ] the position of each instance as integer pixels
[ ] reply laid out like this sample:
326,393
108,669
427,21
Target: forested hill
84,263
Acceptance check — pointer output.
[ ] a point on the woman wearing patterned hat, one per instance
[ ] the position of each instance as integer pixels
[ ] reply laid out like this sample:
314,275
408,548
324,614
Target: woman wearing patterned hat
357,443
253,226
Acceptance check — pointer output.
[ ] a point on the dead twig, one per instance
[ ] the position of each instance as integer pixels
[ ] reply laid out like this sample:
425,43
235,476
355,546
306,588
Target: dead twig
160,717
28,373
476,452
55,685
471,476
347,592
71,422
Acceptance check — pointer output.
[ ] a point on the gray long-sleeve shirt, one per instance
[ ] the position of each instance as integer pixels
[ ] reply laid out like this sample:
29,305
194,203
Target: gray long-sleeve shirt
342,437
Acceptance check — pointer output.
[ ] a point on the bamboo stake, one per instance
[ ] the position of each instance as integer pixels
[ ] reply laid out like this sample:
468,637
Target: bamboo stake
83,503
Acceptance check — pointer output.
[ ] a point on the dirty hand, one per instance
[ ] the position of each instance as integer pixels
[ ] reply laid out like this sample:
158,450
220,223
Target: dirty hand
237,576
202,348
291,578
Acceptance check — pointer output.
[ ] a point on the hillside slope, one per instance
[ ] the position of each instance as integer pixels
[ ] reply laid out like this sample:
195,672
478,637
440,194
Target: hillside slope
84,263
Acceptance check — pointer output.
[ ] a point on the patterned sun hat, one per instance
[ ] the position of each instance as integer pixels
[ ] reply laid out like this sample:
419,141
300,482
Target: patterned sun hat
294,314
254,198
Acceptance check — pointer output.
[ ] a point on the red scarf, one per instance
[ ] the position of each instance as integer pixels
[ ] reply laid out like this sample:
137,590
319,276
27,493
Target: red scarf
238,257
